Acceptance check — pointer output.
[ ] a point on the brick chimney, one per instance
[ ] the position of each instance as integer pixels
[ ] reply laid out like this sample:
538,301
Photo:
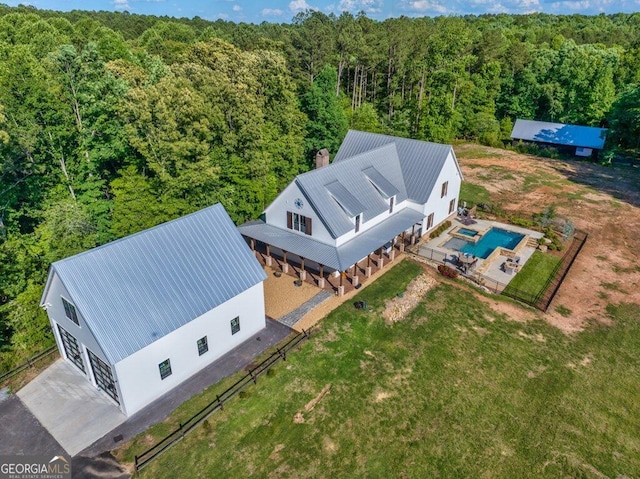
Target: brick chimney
322,158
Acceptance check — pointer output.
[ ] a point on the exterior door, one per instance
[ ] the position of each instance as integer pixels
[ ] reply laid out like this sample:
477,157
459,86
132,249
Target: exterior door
71,348
103,376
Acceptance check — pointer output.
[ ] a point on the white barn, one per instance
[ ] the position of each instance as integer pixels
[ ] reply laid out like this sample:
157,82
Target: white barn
140,315
378,188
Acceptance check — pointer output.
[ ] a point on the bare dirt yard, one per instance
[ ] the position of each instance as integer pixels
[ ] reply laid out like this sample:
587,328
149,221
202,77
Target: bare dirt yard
603,201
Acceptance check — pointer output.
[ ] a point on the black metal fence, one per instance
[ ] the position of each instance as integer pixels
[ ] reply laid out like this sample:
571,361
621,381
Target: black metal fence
541,300
28,364
184,428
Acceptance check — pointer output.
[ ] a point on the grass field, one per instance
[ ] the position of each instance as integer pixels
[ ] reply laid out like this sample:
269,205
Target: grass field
454,390
534,274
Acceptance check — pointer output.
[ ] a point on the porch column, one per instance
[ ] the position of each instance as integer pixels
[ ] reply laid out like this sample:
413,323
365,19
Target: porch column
303,273
412,240
341,287
355,280
285,265
392,251
268,259
402,242
368,268
321,278
381,260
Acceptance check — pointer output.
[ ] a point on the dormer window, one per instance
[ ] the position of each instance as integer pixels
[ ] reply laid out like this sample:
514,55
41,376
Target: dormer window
391,201
357,223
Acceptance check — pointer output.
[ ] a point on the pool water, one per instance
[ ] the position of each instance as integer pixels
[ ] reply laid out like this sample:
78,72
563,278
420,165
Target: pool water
493,239
467,232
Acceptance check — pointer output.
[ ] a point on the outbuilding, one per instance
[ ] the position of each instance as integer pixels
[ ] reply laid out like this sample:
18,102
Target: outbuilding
140,315
580,140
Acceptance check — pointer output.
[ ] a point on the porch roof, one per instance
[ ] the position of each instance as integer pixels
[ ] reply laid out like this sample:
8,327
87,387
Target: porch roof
340,257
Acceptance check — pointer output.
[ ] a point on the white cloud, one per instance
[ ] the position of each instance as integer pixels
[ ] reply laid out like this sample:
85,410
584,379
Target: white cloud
121,4
236,8
299,5
366,5
426,6
271,12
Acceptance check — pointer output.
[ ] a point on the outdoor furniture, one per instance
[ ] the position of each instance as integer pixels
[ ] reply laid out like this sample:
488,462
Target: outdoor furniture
508,267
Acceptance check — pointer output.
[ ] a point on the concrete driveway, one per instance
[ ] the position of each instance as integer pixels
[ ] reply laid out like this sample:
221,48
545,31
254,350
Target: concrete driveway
70,407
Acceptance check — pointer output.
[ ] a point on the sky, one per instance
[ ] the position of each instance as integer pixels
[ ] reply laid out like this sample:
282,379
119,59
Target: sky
279,11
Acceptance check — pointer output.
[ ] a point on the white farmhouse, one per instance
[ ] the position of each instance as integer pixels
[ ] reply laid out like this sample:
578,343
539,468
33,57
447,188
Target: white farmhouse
140,315
377,189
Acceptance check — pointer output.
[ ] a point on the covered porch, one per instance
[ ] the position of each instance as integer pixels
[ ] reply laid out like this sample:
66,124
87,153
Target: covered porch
338,269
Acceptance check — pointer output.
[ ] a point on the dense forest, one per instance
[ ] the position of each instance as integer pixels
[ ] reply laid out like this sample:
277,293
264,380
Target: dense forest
111,123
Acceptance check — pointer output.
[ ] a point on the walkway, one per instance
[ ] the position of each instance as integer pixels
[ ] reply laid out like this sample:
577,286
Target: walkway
296,315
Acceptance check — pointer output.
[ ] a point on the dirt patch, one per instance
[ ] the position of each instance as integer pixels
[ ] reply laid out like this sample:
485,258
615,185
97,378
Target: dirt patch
382,395
603,201
298,418
398,308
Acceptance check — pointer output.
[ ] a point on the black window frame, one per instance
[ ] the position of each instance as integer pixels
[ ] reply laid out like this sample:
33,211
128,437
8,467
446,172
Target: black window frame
203,345
357,223
70,310
165,369
445,189
452,205
235,325
430,221
391,201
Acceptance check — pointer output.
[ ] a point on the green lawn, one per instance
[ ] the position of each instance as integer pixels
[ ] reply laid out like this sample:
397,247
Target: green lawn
534,274
474,193
454,390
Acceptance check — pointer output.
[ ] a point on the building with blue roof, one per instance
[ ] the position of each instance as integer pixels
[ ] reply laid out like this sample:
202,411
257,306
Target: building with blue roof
378,190
581,140
141,314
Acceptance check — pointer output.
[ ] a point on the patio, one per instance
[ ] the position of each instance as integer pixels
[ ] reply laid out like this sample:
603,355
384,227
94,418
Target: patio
494,271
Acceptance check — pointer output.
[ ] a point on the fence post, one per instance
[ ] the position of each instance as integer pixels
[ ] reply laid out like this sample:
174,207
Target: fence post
181,430
220,403
254,378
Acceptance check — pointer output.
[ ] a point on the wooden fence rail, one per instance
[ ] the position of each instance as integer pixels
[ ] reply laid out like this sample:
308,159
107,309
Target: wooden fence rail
178,434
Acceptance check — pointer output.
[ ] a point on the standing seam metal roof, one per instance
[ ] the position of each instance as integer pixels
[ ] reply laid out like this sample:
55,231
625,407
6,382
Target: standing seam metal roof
559,133
135,290
421,162
322,185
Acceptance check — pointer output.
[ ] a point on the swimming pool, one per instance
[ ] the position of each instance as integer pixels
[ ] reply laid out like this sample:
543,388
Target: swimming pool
491,240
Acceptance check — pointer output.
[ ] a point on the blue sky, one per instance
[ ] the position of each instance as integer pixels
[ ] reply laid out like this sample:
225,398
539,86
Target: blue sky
284,10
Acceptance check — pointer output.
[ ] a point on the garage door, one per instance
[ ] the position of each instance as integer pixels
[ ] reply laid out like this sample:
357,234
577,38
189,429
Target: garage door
103,376
71,348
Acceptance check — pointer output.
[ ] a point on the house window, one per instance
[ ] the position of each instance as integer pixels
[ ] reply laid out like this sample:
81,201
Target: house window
357,223
452,205
298,222
70,311
235,325
391,204
165,368
430,221
445,188
203,346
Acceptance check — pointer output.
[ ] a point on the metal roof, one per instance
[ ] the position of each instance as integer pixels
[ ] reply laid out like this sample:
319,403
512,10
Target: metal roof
347,182
559,133
420,161
135,290
380,182
341,257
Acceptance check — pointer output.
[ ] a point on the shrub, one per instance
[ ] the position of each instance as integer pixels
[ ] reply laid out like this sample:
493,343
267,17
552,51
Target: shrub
440,229
447,271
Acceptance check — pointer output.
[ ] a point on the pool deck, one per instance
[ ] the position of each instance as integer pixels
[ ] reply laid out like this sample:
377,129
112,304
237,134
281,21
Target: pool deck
491,268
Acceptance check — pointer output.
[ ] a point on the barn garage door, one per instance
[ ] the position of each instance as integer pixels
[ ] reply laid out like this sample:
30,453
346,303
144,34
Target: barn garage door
103,376
71,348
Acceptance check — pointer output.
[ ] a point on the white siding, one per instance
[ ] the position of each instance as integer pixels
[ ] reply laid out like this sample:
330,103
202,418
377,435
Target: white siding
376,220
55,311
276,213
139,376
438,205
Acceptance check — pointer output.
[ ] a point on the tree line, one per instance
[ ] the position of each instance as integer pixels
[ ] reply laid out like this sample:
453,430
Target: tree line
111,123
